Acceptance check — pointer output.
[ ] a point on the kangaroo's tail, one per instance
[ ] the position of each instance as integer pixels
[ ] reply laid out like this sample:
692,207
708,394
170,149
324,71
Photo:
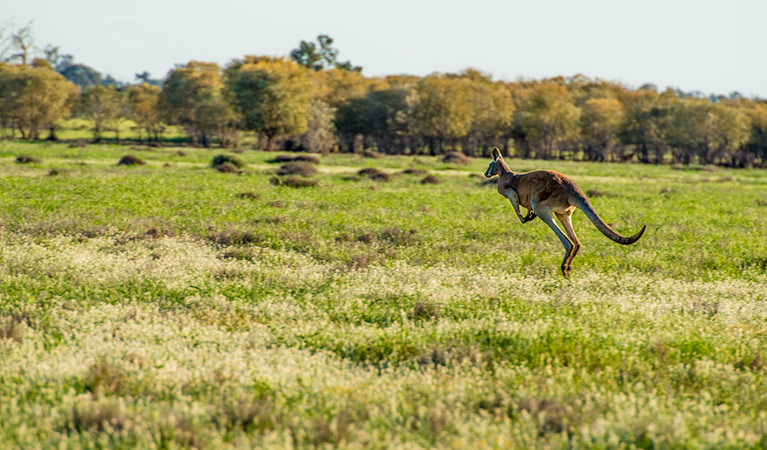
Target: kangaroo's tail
585,205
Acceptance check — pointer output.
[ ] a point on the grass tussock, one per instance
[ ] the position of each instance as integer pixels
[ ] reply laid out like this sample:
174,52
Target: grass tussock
374,174
297,168
412,171
27,159
249,195
456,158
131,160
293,181
228,160
430,179
282,159
227,167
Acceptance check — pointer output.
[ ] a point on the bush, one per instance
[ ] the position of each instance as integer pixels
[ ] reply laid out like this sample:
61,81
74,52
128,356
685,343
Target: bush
374,174
414,171
130,160
297,168
235,161
227,167
456,158
24,159
430,179
292,181
300,158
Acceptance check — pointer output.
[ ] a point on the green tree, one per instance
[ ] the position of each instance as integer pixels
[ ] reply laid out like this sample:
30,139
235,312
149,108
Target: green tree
756,146
320,131
142,109
271,95
441,110
33,98
547,122
106,107
321,55
601,121
193,97
378,116
493,113
711,132
647,122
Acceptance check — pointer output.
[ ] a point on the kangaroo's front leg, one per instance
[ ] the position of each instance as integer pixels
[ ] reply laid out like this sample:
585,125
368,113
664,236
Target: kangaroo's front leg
514,199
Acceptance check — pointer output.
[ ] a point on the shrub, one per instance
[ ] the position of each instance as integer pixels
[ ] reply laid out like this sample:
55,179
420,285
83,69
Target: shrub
219,160
456,158
227,167
414,171
130,160
430,179
248,196
300,158
297,168
374,174
24,159
292,181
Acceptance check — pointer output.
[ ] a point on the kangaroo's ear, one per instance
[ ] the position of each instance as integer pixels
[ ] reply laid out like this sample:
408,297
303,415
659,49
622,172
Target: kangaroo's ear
496,153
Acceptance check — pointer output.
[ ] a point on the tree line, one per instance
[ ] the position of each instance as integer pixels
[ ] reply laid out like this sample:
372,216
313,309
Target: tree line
313,102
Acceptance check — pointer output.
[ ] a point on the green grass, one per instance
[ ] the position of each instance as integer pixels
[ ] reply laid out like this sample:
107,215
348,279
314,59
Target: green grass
170,305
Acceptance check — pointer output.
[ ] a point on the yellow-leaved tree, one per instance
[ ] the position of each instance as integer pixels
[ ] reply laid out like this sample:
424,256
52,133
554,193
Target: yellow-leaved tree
33,98
270,95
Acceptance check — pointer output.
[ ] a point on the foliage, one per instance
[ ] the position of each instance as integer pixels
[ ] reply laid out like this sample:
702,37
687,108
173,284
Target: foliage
33,98
106,106
323,56
320,133
271,95
547,120
143,109
193,97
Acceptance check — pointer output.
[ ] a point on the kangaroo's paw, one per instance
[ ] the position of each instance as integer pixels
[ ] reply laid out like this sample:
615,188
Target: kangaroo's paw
530,216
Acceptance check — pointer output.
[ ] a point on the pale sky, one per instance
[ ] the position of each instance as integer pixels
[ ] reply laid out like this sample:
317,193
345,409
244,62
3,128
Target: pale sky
711,46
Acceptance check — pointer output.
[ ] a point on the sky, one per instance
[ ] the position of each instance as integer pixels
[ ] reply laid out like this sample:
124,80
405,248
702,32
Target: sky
715,47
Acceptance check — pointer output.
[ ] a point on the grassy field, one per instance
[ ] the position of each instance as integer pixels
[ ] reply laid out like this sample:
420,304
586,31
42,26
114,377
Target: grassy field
169,305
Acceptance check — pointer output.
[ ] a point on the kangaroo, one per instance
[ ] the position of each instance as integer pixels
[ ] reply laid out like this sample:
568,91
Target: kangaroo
545,194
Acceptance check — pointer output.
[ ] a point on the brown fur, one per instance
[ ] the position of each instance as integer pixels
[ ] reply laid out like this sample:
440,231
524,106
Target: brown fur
546,194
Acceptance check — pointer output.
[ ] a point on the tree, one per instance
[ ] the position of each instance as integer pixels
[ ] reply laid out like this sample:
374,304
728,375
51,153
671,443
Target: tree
193,97
647,122
18,46
33,98
271,95
378,115
441,110
320,133
320,57
756,146
712,132
601,122
106,107
493,112
547,121
142,109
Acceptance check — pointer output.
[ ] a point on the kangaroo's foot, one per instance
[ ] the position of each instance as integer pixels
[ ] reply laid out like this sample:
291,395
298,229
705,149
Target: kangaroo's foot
530,216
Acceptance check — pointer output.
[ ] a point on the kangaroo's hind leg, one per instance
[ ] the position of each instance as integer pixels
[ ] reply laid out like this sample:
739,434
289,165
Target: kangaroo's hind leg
566,220
547,216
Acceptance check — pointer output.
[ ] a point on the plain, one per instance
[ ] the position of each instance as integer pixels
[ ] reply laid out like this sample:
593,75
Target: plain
171,305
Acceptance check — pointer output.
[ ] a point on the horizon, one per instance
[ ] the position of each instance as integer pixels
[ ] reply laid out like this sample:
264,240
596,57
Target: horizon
693,47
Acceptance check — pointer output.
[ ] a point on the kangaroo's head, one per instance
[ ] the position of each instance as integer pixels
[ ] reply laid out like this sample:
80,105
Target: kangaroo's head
494,164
